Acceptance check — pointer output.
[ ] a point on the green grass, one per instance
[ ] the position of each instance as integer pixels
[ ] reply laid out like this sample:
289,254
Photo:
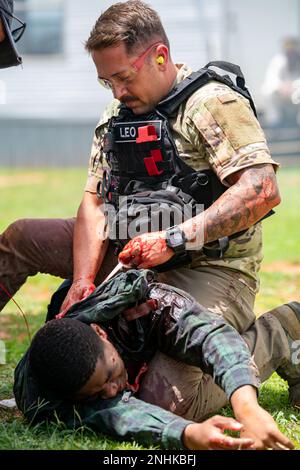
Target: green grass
53,193
281,231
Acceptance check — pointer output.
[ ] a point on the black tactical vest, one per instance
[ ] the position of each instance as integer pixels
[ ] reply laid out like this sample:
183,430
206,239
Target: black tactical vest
142,155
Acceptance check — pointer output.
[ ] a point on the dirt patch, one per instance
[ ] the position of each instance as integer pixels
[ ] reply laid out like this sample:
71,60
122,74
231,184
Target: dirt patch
281,267
8,415
26,179
5,319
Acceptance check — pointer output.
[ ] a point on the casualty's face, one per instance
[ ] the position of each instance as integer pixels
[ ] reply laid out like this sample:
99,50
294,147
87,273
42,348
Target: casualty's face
109,377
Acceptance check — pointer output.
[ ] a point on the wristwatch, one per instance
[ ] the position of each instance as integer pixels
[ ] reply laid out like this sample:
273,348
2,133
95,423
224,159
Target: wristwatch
175,239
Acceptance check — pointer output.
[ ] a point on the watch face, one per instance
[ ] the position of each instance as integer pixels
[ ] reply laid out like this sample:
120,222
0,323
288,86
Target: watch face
175,239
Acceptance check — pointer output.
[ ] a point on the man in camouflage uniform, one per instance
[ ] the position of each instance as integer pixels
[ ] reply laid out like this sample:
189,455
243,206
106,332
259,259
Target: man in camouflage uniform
215,128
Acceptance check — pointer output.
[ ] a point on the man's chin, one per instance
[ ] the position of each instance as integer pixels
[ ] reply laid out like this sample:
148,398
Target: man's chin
139,108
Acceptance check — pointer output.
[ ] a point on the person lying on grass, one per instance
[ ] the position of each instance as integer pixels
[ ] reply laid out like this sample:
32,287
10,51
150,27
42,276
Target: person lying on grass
85,369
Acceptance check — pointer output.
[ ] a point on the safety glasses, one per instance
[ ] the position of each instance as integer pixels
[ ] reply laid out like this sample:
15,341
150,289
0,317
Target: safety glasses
129,74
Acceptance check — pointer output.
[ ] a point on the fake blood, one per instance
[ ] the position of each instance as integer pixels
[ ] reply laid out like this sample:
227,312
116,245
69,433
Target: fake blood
138,251
136,385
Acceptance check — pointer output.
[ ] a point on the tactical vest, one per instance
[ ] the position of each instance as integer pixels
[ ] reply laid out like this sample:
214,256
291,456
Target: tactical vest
142,155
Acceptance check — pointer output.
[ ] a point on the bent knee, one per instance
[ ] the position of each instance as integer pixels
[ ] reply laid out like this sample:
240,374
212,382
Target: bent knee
19,231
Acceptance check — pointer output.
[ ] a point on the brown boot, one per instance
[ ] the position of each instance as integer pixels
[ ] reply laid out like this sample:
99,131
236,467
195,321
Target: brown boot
289,317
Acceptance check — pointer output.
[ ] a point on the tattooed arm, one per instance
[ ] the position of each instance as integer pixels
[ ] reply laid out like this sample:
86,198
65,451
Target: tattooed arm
252,194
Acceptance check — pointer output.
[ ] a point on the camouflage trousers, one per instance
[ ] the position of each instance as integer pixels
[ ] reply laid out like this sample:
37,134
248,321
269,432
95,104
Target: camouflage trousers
30,246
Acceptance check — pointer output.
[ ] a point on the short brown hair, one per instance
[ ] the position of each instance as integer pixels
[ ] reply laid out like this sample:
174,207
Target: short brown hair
133,22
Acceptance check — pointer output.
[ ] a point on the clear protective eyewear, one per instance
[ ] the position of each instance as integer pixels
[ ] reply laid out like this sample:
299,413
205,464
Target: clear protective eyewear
131,72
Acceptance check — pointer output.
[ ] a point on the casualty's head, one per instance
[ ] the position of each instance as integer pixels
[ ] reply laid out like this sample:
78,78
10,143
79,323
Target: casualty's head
131,53
76,361
9,36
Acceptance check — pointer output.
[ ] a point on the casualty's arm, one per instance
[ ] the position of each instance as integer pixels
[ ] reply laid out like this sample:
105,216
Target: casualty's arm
129,418
202,338
226,357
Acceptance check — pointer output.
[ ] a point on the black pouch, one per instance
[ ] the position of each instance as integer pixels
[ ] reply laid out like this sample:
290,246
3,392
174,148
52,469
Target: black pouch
151,211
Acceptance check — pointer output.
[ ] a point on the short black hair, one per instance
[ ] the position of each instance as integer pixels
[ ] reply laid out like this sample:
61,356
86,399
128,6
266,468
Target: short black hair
133,22
63,355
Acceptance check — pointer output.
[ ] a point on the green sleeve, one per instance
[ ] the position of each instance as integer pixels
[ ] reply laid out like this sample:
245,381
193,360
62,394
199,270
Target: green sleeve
203,339
123,417
126,417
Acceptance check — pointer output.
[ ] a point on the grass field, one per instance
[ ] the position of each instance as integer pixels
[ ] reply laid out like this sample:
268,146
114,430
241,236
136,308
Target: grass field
53,193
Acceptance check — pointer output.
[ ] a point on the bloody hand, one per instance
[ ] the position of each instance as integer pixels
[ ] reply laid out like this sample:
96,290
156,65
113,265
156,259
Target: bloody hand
79,290
146,251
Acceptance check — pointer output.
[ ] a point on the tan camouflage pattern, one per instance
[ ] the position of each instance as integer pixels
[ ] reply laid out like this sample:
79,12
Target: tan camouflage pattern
215,128
97,159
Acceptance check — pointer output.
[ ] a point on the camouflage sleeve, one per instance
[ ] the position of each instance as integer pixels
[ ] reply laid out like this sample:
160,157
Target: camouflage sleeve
203,339
98,161
223,122
123,417
126,417
112,297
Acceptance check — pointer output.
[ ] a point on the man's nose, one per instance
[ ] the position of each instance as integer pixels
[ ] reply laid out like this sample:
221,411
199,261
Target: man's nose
119,91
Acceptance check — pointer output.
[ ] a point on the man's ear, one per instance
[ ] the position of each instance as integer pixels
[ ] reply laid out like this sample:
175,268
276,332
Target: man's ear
162,55
101,333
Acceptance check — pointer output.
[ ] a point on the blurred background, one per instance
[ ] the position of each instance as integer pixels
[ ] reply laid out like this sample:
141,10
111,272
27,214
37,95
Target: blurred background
49,108
48,112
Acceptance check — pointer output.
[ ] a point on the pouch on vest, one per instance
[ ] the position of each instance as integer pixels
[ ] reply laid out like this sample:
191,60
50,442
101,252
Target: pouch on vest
151,211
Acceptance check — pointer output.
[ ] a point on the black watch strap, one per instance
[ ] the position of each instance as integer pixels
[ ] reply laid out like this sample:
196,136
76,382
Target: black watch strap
176,239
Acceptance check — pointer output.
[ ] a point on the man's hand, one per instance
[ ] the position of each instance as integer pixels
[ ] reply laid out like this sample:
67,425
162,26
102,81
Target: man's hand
261,427
80,289
209,435
258,424
146,251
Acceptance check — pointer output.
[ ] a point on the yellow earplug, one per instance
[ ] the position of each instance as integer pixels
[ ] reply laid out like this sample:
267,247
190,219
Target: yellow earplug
160,59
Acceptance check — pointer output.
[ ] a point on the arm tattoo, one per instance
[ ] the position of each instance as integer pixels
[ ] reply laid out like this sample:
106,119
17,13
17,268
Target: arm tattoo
252,195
